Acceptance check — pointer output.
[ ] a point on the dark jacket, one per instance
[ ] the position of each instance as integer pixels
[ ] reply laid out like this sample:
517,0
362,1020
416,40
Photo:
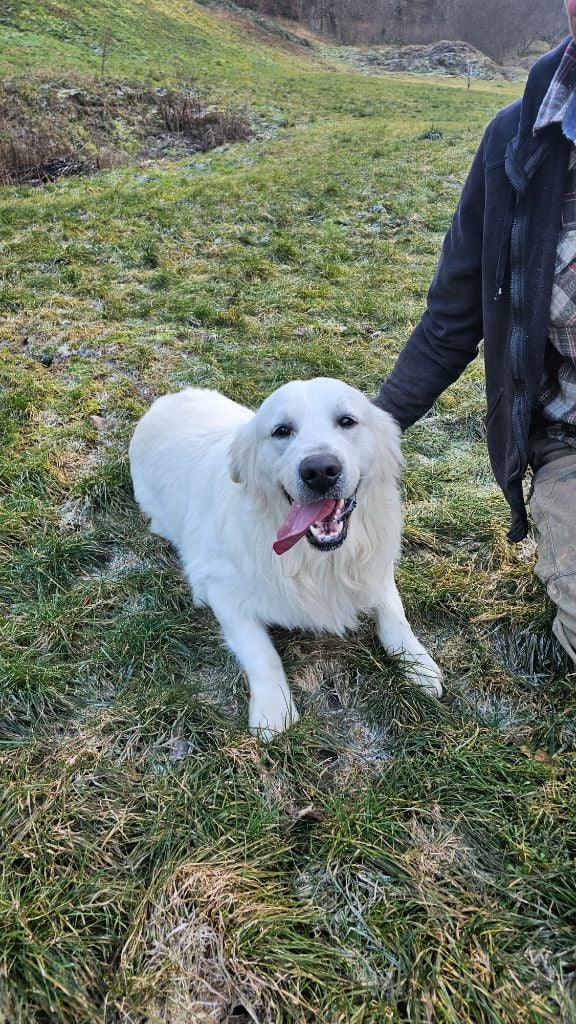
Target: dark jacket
494,281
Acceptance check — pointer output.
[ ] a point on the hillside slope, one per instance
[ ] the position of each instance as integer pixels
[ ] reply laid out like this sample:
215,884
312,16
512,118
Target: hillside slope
159,40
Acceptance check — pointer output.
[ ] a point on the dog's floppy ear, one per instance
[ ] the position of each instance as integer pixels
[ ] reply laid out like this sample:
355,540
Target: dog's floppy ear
388,447
242,454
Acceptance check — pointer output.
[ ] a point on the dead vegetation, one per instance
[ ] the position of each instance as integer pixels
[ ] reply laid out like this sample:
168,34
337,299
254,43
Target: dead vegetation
189,114
57,128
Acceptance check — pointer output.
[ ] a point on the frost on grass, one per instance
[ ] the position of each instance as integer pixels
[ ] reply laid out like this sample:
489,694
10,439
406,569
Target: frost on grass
74,513
489,707
331,693
121,562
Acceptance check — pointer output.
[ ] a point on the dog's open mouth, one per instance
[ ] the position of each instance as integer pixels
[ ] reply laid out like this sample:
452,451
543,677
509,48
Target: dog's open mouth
324,523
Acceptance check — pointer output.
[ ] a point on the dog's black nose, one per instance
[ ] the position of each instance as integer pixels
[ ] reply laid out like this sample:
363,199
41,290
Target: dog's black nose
320,472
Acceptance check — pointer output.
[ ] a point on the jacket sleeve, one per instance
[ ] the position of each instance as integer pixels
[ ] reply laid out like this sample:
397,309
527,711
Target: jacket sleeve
448,335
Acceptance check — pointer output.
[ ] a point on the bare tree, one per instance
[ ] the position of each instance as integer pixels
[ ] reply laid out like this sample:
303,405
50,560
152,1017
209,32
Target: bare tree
104,45
504,28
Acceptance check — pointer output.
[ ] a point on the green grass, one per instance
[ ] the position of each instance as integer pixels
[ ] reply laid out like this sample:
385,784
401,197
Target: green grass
152,39
390,858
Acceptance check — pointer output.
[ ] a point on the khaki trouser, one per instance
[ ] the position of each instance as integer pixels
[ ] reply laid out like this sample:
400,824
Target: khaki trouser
553,508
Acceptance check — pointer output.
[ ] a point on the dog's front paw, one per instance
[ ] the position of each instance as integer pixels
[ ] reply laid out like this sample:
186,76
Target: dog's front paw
426,674
270,714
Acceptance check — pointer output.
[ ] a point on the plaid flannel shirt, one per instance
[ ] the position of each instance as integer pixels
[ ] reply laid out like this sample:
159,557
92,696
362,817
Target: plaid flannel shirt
555,413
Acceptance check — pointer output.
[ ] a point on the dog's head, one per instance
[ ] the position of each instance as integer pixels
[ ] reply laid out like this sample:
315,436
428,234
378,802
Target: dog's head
314,446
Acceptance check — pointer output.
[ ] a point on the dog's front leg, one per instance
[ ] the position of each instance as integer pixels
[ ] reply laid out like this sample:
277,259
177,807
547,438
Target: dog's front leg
396,636
271,708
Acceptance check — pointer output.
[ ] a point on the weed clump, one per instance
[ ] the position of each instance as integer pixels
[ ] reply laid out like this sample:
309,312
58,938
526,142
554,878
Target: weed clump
188,113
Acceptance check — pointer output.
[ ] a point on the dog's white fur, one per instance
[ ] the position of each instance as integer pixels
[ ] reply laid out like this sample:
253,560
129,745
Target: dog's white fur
212,480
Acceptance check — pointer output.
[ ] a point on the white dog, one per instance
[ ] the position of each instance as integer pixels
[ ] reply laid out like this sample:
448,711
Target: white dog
288,516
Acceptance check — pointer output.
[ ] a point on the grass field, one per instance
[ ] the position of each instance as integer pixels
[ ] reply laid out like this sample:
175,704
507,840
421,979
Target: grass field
390,858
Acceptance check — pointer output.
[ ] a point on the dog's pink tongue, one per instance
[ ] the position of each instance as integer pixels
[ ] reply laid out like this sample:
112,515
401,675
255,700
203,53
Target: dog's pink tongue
299,519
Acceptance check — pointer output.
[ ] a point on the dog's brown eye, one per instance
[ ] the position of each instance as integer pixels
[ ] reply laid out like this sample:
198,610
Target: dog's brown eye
282,430
346,422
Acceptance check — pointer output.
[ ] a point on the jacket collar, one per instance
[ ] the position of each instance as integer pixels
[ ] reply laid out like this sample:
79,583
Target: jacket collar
539,78
526,151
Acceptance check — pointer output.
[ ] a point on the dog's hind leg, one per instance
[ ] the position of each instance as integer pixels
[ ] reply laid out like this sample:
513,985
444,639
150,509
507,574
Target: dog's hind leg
271,708
396,636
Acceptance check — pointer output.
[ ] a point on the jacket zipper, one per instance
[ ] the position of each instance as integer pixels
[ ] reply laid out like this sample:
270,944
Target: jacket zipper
517,340
504,247
517,235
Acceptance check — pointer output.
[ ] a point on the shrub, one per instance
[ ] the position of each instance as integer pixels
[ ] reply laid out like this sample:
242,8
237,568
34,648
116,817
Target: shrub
189,114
